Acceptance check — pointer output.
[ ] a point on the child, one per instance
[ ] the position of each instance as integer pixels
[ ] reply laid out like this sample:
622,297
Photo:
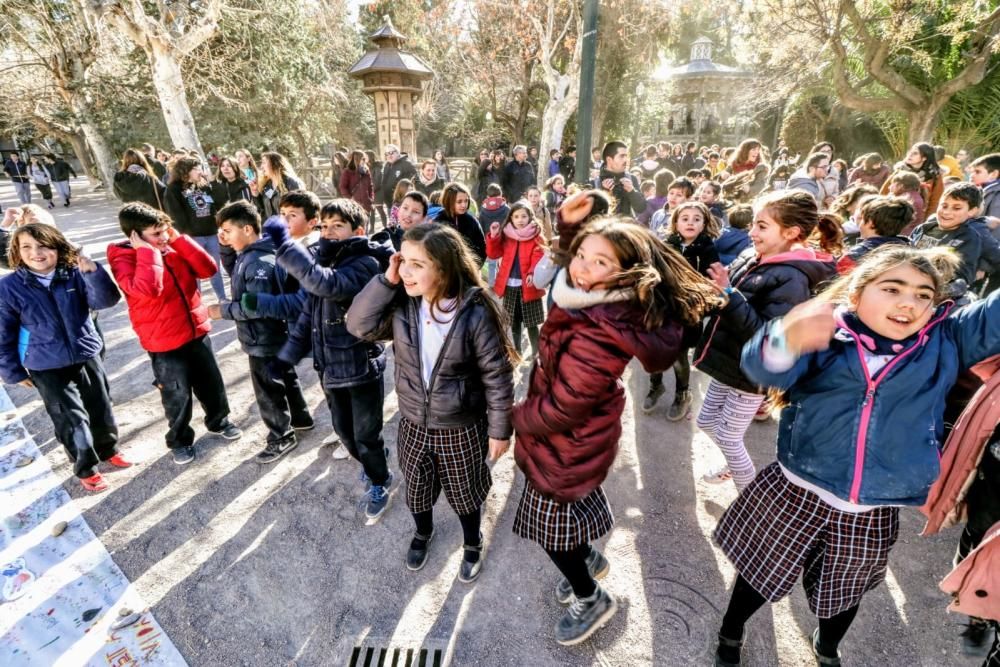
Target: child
661,182
411,211
350,370
282,406
402,187
494,210
734,238
49,342
846,206
617,300
708,194
454,380
882,219
519,245
907,184
761,285
678,192
856,440
158,271
958,205
692,228
539,211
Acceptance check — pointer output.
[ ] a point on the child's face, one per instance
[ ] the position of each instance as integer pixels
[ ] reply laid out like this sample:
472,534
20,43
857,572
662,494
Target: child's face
520,218
335,228
952,213
699,179
594,265
461,203
36,257
298,224
981,177
236,236
419,274
690,223
534,196
895,189
770,238
676,197
227,171
158,237
706,196
410,213
897,303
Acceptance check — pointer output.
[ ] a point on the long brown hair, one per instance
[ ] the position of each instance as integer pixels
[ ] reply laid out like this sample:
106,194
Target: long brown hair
665,284
132,156
458,271
47,236
938,263
743,151
797,208
280,169
711,224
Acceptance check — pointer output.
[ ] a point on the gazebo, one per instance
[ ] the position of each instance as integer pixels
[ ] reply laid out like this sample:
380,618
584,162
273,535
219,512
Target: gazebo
394,79
701,101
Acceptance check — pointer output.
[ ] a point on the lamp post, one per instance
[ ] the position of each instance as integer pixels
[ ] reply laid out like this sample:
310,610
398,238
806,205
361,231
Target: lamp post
585,111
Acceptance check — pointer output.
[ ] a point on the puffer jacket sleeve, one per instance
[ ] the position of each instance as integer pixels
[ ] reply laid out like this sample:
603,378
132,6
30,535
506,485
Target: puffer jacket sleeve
494,246
282,306
497,374
140,273
233,310
200,261
340,284
752,363
739,315
11,370
588,366
100,288
976,329
372,309
299,341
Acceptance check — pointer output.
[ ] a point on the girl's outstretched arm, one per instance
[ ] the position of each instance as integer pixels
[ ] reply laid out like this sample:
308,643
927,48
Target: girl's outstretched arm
780,352
976,328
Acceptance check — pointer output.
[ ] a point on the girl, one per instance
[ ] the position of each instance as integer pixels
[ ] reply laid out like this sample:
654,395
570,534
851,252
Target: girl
866,369
906,184
356,182
276,177
761,285
555,194
920,160
42,179
442,166
247,165
519,245
48,341
454,380
846,206
136,181
189,203
402,187
540,211
229,184
455,200
624,295
691,232
750,157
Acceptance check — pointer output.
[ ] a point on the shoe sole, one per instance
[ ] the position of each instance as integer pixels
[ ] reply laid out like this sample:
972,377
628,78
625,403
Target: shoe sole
184,462
598,624
681,416
426,558
280,454
303,428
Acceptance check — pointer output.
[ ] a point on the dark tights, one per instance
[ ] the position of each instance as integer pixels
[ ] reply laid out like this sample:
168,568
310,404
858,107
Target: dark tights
573,565
745,601
470,530
682,373
515,330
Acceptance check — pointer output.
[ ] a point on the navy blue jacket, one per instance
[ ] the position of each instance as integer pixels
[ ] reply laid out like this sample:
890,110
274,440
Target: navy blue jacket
332,279
731,243
876,440
964,239
45,328
256,272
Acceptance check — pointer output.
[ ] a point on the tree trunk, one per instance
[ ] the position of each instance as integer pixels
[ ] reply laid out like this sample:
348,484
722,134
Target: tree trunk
554,118
169,85
102,154
79,144
923,122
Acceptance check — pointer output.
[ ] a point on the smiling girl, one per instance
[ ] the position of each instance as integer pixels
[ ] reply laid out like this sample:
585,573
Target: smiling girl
866,368
48,341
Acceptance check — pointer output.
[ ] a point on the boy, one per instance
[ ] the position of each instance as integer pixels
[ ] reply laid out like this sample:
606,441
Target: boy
735,237
300,209
906,184
882,219
986,175
958,205
494,209
678,192
158,271
412,211
350,369
282,406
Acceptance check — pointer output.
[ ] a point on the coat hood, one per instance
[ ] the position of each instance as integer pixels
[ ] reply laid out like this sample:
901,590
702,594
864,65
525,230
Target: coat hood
493,203
818,266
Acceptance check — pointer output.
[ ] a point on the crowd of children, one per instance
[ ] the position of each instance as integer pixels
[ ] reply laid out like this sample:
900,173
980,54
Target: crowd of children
741,274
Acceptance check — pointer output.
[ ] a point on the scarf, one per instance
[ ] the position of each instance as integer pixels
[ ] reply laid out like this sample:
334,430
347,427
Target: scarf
574,298
873,342
526,233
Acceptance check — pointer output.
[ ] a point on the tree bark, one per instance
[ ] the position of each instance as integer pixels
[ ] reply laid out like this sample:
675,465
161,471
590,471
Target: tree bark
105,161
169,85
82,152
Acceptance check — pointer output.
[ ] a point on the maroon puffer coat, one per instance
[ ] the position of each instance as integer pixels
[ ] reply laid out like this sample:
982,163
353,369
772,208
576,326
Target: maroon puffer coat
568,427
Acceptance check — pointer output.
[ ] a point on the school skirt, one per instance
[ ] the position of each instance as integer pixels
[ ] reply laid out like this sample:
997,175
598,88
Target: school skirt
562,526
532,313
453,460
775,531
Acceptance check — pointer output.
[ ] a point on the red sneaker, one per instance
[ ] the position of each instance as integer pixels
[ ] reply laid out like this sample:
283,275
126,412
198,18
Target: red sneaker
119,461
95,483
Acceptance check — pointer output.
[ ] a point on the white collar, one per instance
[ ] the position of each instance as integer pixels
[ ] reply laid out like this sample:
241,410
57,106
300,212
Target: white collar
574,298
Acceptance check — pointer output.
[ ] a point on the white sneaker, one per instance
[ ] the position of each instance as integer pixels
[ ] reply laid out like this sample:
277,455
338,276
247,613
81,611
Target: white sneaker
718,476
331,439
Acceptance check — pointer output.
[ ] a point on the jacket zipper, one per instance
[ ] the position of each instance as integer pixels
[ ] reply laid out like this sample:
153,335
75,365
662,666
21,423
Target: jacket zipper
429,389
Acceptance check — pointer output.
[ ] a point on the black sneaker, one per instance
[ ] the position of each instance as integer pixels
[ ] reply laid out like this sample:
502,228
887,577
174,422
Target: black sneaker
303,423
469,571
823,660
652,397
598,566
584,617
975,638
416,557
228,430
183,455
680,407
275,450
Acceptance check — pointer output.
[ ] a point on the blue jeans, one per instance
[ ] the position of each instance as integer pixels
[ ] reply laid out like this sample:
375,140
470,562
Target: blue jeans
491,271
23,192
211,246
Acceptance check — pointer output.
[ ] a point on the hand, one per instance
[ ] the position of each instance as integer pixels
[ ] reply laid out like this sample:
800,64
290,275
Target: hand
276,229
276,369
138,242
529,281
608,183
249,301
495,229
85,264
809,326
498,448
253,187
27,383
627,184
215,311
719,274
172,234
392,273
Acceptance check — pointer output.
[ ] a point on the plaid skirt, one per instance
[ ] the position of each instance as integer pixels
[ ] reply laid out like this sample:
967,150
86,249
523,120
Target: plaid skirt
450,459
775,530
532,313
562,526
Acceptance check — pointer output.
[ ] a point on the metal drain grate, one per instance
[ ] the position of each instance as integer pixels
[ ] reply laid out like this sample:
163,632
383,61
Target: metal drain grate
376,654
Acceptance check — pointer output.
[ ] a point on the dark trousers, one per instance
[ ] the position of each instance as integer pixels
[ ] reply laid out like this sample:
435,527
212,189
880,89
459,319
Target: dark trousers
76,398
357,419
190,368
281,404
682,373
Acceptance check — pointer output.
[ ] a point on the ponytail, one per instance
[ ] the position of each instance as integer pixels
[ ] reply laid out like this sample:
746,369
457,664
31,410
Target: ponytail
829,234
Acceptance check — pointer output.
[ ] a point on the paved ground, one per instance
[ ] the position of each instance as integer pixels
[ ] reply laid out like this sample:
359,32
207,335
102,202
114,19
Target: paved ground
251,565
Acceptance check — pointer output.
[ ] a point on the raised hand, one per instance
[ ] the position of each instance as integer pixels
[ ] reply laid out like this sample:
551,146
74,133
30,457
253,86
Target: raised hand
719,274
392,273
809,326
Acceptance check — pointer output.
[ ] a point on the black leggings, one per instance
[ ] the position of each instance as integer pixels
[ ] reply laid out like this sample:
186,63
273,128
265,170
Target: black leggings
573,565
682,373
470,525
745,601
515,330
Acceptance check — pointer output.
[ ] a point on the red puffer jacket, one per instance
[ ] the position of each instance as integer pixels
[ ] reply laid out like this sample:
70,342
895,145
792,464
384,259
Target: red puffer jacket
528,254
569,425
161,290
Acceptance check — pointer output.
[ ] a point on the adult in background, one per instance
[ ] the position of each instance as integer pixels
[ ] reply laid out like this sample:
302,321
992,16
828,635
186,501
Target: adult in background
490,173
247,165
19,176
533,158
830,185
810,177
397,166
356,184
428,180
60,170
275,178
920,160
375,168
42,180
622,186
159,167
750,157
189,203
567,164
229,186
518,175
443,172
135,180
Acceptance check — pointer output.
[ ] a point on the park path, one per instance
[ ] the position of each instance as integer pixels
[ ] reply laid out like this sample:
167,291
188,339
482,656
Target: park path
249,565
